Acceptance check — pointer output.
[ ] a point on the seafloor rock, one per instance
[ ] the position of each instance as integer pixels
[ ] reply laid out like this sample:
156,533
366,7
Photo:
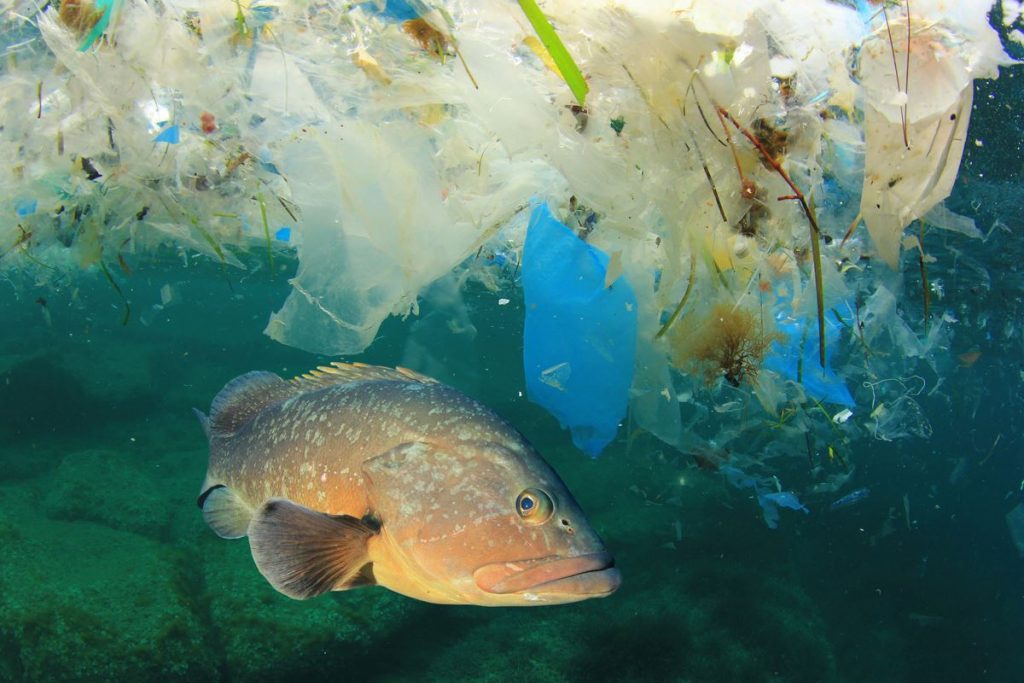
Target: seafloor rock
264,635
82,602
109,488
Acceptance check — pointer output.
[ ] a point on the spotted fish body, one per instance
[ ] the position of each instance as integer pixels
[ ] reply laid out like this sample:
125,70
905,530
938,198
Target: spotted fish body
355,475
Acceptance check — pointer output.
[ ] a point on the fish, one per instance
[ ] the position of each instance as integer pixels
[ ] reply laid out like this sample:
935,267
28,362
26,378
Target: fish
356,475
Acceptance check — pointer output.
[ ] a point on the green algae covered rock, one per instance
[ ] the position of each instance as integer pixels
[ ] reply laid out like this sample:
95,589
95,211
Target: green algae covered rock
267,636
83,602
111,488
109,573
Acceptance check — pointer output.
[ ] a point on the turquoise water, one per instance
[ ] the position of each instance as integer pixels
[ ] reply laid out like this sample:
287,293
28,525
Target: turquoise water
107,571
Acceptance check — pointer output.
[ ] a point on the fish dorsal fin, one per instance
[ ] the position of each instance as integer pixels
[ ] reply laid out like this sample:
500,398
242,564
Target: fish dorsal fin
243,398
304,553
344,373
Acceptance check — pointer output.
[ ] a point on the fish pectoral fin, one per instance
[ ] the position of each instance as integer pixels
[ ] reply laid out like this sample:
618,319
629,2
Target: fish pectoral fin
226,513
304,553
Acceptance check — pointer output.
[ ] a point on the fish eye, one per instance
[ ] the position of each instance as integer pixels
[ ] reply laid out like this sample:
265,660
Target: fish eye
534,506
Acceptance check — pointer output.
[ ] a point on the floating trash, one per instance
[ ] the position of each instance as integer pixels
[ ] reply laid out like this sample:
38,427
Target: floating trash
734,186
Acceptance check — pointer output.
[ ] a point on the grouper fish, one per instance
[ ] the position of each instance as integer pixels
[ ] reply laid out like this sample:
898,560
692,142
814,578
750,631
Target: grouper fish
355,475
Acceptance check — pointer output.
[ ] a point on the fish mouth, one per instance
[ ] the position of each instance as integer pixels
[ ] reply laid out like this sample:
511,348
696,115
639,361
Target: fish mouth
583,576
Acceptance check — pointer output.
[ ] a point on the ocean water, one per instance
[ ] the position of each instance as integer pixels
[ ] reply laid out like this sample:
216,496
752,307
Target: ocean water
107,571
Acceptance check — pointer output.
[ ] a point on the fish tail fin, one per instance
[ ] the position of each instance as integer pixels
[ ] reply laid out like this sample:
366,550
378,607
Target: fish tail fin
304,553
225,511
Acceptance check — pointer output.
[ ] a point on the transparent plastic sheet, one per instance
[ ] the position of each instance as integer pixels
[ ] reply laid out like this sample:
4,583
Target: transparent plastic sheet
895,412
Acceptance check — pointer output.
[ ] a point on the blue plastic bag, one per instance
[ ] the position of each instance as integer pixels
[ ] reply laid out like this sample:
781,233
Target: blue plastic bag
579,339
797,358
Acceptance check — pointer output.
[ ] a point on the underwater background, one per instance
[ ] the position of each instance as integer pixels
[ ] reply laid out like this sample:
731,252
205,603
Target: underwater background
107,571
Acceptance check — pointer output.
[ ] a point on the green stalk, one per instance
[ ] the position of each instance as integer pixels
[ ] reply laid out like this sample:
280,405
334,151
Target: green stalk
563,60
113,283
682,302
266,233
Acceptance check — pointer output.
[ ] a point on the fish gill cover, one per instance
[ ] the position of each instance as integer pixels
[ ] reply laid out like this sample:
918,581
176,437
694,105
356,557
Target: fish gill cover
760,173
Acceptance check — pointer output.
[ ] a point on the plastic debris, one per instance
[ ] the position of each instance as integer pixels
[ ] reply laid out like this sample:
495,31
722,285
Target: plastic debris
796,359
900,418
842,416
850,499
170,135
579,339
104,10
25,207
770,501
386,169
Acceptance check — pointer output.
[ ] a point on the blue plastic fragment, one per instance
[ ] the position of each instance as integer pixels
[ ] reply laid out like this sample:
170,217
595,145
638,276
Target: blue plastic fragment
170,135
579,338
399,10
770,502
283,234
265,160
797,359
850,499
108,7
737,478
261,15
25,207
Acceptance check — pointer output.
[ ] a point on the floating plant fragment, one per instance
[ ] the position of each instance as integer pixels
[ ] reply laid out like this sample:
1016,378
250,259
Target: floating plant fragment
567,68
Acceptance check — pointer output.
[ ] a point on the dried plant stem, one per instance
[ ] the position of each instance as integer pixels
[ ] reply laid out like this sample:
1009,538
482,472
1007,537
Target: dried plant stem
732,147
900,87
924,271
811,219
853,226
266,233
465,66
704,165
906,82
682,302
113,283
689,132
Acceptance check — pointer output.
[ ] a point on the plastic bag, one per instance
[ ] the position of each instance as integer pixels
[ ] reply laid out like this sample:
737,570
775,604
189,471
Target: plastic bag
579,339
